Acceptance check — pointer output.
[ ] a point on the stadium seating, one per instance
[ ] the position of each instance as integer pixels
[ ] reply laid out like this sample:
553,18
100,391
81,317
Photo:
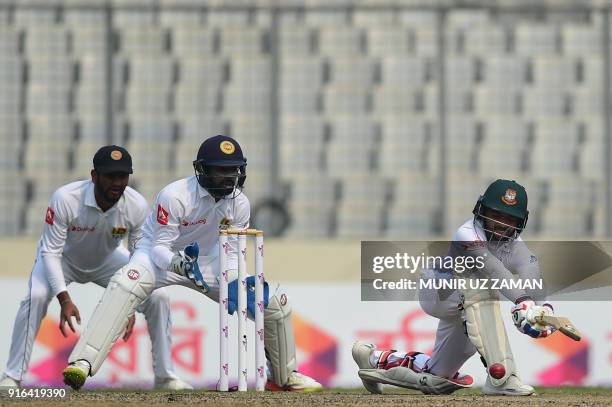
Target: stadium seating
348,97
303,146
415,206
353,146
364,198
191,41
536,39
296,41
388,41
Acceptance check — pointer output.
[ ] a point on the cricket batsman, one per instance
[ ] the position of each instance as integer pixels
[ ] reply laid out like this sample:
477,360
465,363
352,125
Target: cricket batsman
180,245
470,320
86,222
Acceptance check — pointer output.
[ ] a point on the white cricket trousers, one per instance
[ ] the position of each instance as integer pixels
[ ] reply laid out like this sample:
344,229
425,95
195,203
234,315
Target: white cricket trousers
33,309
452,347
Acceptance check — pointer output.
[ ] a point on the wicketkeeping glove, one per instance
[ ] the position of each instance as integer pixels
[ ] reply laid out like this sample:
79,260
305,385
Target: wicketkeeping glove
186,265
524,312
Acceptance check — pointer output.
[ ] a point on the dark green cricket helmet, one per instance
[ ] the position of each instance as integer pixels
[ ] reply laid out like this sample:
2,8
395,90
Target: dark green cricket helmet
505,196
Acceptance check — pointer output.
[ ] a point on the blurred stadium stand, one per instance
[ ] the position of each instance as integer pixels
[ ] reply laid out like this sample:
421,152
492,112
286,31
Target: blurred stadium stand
363,120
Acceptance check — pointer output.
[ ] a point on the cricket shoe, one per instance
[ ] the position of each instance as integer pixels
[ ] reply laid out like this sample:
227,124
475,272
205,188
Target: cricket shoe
76,373
297,382
511,387
403,372
8,381
362,351
172,384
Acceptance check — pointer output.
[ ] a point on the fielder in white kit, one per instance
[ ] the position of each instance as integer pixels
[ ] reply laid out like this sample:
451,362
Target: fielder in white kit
190,212
85,224
470,320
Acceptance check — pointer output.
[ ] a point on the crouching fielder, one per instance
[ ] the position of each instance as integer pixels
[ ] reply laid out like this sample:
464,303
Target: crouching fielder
189,210
85,224
470,320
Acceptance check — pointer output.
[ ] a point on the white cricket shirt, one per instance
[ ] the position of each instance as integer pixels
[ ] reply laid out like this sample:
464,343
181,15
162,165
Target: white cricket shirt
185,212
76,229
503,260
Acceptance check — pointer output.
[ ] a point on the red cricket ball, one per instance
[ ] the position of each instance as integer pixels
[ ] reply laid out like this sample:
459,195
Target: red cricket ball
497,370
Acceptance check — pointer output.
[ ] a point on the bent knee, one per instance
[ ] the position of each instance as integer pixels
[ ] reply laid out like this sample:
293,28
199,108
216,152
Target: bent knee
136,279
441,309
159,296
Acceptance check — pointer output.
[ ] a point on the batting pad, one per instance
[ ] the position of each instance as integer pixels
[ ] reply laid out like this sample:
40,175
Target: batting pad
278,338
409,379
485,328
128,288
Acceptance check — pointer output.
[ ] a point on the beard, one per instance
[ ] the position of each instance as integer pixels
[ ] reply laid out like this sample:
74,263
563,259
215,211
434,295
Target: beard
223,186
107,195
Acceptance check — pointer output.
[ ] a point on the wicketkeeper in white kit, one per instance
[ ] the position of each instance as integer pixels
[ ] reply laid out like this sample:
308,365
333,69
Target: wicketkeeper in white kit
85,224
189,213
470,320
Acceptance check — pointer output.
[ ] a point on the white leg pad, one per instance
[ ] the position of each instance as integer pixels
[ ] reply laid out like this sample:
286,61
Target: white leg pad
409,379
278,338
485,328
127,289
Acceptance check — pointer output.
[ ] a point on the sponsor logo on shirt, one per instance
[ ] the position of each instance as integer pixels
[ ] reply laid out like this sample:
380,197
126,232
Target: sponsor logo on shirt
50,217
202,221
162,215
75,228
118,232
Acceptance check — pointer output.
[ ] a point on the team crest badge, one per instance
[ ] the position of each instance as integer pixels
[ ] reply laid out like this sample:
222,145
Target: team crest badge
227,147
116,155
224,224
118,232
509,198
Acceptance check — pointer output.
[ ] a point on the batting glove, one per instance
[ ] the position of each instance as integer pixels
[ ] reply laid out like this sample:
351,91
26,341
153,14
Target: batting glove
187,265
525,311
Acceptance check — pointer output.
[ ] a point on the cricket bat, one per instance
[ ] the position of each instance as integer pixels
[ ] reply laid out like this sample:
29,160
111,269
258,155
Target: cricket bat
562,324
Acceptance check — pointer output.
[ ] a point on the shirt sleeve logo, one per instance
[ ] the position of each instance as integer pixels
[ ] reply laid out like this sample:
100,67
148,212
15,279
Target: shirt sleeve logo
162,215
50,217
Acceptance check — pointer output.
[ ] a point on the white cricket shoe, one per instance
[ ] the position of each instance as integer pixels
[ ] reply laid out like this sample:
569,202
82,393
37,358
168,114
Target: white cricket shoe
172,384
76,374
512,387
8,381
361,355
297,382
